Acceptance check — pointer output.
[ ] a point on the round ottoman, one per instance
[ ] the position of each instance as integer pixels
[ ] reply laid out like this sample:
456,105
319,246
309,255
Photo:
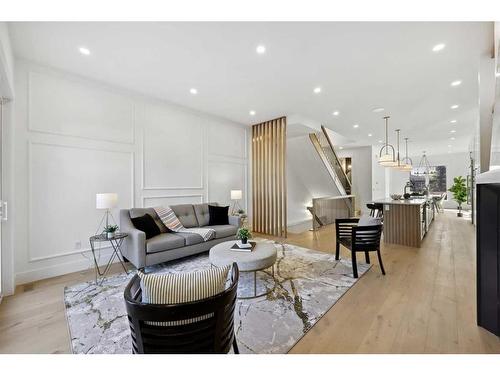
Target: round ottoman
261,257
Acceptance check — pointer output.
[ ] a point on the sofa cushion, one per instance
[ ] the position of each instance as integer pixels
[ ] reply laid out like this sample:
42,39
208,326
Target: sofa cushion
136,212
185,214
218,215
164,241
202,213
222,231
147,225
191,238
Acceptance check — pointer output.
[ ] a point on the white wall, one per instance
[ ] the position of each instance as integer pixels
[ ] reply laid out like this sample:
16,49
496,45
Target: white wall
6,62
361,174
307,178
457,164
74,138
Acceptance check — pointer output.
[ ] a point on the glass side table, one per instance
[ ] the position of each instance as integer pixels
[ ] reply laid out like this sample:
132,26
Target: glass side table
116,243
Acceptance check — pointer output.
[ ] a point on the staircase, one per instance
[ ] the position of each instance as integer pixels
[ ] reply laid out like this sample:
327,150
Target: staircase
324,147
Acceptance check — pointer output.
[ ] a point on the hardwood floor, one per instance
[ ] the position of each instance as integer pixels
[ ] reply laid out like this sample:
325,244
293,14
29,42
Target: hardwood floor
425,303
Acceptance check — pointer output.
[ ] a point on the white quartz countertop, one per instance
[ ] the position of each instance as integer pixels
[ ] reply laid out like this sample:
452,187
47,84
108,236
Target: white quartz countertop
409,202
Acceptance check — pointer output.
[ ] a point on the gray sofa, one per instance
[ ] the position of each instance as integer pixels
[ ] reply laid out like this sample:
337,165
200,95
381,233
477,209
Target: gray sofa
167,245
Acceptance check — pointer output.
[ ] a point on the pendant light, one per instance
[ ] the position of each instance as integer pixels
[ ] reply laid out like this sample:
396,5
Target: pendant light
397,163
424,167
387,160
406,162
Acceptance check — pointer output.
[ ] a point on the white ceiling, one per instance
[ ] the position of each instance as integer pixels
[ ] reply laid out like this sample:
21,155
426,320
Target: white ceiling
359,66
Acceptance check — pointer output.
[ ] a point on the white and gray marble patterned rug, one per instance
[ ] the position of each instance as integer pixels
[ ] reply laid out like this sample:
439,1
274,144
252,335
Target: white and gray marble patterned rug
307,284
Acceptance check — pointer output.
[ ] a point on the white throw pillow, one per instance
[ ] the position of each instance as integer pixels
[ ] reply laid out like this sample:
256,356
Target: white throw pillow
366,221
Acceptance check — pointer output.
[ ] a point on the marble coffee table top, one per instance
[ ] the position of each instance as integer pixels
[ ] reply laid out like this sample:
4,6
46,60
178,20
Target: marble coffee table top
261,257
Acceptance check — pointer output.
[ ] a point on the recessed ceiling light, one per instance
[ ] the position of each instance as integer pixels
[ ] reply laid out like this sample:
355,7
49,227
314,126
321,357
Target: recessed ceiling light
380,141
317,90
454,106
453,131
193,91
452,138
84,51
438,47
456,83
260,49
355,126
336,113
370,134
497,74
341,148
379,109
453,121
449,145
252,113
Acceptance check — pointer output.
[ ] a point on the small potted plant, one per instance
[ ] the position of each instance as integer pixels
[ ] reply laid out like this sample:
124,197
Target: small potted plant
243,234
459,191
110,230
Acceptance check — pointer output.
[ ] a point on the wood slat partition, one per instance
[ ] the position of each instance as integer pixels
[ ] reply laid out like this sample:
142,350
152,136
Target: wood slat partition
269,177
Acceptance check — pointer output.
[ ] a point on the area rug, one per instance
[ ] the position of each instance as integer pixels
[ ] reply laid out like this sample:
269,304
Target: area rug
306,284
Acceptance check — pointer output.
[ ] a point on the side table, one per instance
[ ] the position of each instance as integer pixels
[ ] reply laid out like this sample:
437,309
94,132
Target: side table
116,242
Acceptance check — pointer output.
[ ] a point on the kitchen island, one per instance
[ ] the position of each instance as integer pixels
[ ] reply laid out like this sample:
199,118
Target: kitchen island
406,221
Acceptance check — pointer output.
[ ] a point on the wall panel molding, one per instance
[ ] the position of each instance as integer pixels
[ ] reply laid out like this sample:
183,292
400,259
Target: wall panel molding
98,136
166,196
63,253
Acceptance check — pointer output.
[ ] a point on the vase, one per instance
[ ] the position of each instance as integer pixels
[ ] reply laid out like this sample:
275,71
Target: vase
110,234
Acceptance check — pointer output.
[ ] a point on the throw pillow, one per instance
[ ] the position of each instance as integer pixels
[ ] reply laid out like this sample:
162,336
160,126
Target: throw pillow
172,288
218,215
146,224
366,221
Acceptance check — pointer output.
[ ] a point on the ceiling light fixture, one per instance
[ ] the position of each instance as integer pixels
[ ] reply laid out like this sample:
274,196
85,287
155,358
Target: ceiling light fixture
193,91
341,148
355,126
261,49
456,83
84,51
387,160
497,74
317,90
370,134
336,113
252,113
452,138
454,106
424,167
438,47
453,121
406,162
452,131
379,109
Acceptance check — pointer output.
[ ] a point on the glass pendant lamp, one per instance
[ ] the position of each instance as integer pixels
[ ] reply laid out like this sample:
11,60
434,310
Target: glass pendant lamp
387,158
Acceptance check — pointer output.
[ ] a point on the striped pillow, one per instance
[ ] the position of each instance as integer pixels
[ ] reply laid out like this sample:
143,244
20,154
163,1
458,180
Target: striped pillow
168,217
184,287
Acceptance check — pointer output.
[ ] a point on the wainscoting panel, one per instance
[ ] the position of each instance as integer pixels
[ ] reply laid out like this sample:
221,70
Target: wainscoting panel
173,150
63,182
224,176
227,140
68,107
167,200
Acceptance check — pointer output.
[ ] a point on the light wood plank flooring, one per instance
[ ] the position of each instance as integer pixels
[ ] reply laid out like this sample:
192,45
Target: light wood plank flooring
425,303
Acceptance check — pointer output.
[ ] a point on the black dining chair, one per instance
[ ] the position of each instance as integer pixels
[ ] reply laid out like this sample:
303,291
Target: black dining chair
204,326
358,239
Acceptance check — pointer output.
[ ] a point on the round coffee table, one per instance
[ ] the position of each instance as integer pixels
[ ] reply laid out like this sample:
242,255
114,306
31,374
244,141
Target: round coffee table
261,257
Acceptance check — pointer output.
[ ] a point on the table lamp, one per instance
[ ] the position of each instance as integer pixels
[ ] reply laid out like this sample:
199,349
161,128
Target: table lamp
106,201
236,195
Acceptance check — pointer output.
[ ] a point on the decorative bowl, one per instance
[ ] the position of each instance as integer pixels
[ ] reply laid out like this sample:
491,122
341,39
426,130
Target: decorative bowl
396,197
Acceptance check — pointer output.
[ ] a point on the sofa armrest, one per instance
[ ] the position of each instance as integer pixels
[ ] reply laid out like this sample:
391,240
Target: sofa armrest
235,220
134,245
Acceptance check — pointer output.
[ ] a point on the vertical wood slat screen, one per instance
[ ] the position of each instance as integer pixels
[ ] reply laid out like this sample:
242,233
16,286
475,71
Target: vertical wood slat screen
269,177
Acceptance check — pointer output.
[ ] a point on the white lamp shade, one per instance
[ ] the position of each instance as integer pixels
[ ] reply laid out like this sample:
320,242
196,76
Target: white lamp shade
236,194
106,200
